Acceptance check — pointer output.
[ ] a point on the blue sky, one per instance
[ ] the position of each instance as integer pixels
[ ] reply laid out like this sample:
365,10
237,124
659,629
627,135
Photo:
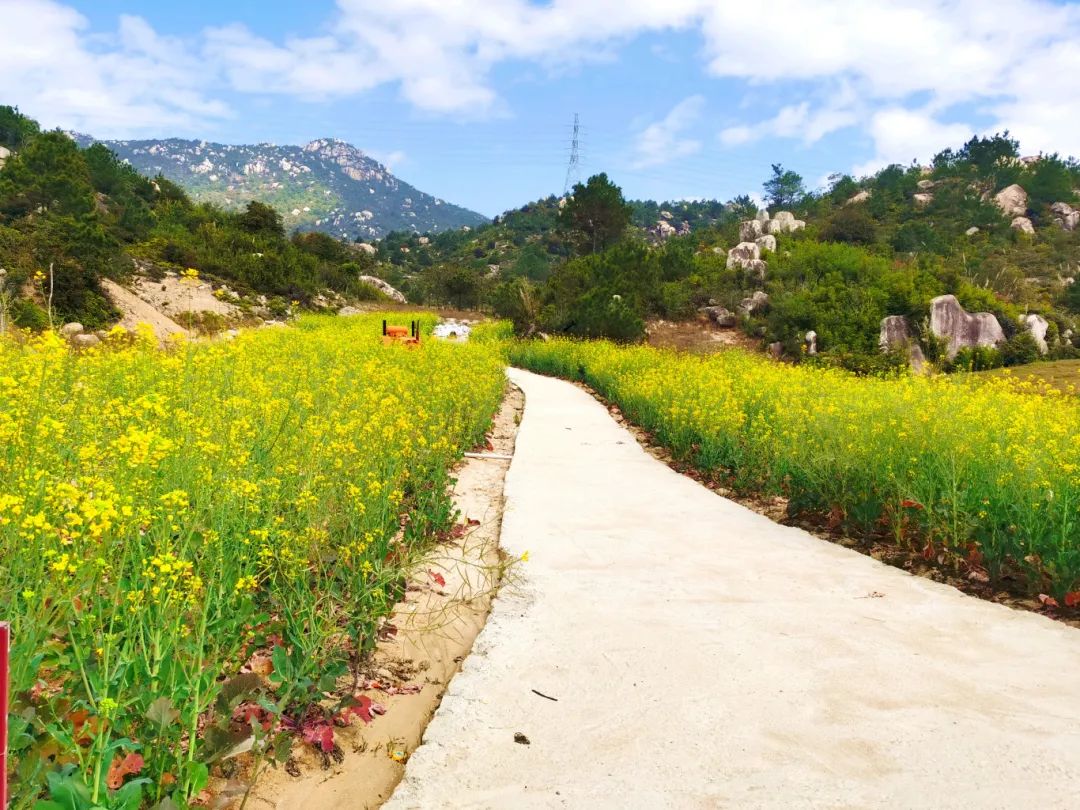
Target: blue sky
473,101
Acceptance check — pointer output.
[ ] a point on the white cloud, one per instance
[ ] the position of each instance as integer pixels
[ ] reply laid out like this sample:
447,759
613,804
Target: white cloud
391,160
902,135
133,80
797,121
663,141
879,65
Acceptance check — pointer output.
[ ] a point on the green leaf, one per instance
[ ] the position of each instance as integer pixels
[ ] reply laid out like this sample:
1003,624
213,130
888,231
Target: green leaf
197,776
129,797
161,713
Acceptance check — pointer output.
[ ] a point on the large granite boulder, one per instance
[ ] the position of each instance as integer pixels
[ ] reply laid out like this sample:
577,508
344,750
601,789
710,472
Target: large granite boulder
749,230
5,153
861,197
743,253
766,242
384,288
1065,216
70,330
756,268
1037,325
962,329
922,199
1012,200
785,222
896,334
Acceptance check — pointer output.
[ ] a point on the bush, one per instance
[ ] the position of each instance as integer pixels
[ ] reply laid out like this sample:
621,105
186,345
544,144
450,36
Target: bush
1020,349
28,315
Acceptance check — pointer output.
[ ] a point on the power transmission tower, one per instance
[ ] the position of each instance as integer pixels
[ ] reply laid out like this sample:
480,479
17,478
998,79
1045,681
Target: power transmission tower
572,173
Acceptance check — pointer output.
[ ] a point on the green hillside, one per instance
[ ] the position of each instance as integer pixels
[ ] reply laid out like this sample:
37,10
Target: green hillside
872,247
71,216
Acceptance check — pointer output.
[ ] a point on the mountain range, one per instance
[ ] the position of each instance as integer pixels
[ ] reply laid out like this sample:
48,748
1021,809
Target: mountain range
327,185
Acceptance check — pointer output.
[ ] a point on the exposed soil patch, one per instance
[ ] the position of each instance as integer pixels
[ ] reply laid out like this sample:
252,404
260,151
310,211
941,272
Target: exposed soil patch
445,605
930,563
697,336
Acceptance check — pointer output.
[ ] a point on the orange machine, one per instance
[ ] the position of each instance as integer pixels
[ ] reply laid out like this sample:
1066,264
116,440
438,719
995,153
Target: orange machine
399,334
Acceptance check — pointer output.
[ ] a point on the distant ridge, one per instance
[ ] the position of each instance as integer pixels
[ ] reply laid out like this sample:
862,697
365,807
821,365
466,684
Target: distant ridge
327,185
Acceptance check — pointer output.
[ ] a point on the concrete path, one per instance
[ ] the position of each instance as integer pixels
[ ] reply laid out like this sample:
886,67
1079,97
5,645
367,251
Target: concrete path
703,656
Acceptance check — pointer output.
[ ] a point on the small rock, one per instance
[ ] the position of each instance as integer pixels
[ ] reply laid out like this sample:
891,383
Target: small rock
811,342
85,341
776,350
922,199
971,231
70,330
721,316
1022,224
521,739
347,310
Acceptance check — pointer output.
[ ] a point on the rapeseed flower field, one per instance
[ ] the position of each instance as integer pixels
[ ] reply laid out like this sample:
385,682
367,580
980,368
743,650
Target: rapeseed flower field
167,514
988,472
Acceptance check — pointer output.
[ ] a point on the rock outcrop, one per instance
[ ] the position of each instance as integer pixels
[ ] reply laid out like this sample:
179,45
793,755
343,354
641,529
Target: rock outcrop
1065,216
1012,200
922,199
663,229
749,230
1022,224
862,196
962,329
742,254
364,247
784,222
766,242
1038,326
347,311
896,334
5,153
721,316
384,288
755,303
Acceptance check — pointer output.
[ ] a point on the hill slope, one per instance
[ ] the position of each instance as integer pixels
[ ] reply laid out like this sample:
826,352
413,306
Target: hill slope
327,185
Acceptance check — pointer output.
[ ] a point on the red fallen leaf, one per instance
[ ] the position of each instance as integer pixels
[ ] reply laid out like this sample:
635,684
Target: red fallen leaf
907,503
246,712
1072,599
472,522
128,766
440,580
320,734
361,709
1048,601
260,663
928,552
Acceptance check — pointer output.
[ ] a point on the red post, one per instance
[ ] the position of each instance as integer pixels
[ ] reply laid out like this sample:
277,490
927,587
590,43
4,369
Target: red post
5,682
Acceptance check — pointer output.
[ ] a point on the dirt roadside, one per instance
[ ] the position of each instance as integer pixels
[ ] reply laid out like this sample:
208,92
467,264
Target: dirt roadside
444,609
